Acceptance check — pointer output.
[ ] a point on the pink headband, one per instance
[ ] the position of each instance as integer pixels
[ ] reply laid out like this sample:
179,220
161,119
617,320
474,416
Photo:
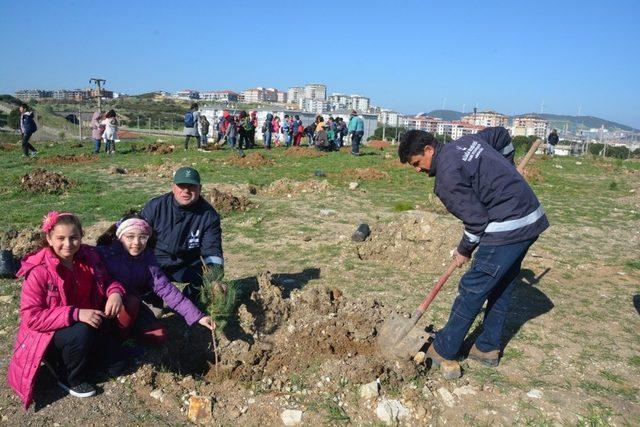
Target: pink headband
50,219
132,223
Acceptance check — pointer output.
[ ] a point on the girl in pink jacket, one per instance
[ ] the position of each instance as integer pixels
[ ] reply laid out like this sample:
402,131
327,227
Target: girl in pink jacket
67,296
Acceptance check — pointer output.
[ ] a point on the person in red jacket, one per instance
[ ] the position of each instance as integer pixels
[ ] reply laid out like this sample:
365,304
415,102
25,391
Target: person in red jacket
66,300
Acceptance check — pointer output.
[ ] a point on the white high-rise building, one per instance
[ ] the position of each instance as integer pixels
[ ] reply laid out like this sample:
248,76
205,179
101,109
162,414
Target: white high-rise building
339,101
530,125
315,91
360,103
295,94
486,119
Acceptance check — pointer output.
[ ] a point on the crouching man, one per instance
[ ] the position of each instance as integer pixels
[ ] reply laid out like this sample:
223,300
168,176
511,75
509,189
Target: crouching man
502,218
188,233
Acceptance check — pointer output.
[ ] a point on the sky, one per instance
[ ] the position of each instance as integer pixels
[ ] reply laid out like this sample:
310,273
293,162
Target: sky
514,57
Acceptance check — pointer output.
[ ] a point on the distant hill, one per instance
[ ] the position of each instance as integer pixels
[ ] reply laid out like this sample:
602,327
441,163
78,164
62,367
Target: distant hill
446,114
557,121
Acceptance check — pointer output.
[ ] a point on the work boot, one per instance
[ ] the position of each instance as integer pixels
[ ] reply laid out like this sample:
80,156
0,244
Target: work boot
488,358
450,368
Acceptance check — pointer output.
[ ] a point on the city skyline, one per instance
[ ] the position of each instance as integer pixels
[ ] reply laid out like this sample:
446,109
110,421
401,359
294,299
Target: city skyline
408,59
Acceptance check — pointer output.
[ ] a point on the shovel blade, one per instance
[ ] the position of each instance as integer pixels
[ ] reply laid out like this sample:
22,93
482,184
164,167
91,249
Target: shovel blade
399,340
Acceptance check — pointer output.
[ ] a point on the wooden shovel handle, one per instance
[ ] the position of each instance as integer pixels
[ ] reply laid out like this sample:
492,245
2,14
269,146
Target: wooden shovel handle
529,154
434,291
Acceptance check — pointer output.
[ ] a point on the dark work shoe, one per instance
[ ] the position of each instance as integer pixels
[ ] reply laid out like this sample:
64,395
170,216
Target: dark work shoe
488,358
81,390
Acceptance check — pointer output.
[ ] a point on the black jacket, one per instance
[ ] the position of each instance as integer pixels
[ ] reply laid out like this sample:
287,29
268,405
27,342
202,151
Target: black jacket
553,138
481,188
184,233
500,140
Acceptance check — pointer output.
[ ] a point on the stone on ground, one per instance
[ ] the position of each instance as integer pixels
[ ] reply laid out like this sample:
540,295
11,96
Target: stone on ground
200,410
447,397
391,411
291,417
369,391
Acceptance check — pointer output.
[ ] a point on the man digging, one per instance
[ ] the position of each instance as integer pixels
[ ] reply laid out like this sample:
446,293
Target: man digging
502,218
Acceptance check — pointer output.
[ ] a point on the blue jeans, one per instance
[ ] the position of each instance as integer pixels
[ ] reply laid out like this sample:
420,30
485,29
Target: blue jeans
356,137
267,139
96,146
490,278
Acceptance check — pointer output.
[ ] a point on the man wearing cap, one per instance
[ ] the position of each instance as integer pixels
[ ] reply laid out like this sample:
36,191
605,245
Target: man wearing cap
188,232
356,129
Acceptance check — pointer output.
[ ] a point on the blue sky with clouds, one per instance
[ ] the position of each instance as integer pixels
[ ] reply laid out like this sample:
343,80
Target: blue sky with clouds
510,56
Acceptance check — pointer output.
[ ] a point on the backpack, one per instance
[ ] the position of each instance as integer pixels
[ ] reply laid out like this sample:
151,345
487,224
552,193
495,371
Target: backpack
189,120
204,124
248,125
29,123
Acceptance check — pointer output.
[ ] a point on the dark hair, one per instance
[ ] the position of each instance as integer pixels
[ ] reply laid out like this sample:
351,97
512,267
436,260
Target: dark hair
109,236
243,114
319,119
23,105
110,113
297,117
412,143
68,219
194,106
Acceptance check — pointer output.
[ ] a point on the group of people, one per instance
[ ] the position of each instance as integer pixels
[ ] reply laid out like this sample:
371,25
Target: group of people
104,128
238,131
79,302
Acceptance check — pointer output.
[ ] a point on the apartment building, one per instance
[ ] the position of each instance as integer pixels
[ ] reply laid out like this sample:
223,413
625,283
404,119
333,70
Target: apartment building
486,119
37,94
421,122
360,103
339,100
313,105
187,94
460,129
315,91
529,125
295,94
220,96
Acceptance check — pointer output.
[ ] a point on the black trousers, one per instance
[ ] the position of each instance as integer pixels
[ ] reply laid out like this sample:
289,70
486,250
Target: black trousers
78,349
26,145
186,140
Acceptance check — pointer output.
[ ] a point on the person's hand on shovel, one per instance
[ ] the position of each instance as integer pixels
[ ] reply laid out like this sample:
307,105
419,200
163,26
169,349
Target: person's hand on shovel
460,259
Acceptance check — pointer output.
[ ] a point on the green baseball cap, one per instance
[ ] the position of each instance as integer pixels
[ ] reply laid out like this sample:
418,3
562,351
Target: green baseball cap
186,175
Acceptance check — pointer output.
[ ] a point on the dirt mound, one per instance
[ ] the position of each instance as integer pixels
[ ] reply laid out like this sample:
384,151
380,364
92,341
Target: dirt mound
253,160
126,134
21,242
227,202
365,174
415,239
378,144
303,152
290,186
9,147
66,159
156,148
42,181
533,174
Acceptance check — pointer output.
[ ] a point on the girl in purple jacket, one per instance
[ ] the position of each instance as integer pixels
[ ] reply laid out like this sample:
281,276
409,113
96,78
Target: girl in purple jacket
126,250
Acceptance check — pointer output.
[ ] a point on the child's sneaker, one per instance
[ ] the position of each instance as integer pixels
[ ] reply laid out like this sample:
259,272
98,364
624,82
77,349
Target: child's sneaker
81,390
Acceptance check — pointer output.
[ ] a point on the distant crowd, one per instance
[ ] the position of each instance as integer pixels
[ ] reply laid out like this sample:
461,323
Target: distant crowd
238,131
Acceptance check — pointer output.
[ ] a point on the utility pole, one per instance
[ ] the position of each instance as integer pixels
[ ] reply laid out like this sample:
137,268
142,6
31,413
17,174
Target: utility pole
384,127
80,125
149,126
98,82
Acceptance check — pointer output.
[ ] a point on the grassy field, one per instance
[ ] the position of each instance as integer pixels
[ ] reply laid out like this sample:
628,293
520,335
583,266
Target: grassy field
574,329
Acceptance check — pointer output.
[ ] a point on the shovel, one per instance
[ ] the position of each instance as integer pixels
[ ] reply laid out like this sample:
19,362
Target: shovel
397,338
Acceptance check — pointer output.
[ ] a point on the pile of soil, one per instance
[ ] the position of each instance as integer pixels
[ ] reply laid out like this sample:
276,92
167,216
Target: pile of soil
378,144
21,242
415,239
9,147
303,152
42,181
165,170
287,346
365,174
290,186
533,174
227,202
66,159
253,160
126,134
159,148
